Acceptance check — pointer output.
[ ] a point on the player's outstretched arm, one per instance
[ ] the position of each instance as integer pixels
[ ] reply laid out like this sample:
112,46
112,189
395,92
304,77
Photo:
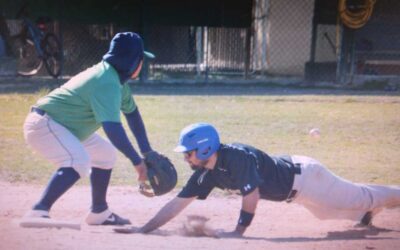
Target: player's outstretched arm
166,213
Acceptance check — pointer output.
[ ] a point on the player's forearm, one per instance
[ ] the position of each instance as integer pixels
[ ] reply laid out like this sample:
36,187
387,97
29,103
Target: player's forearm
116,133
249,205
156,222
168,212
138,129
250,201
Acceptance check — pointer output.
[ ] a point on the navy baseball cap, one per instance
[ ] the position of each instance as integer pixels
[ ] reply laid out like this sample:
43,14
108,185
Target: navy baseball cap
125,53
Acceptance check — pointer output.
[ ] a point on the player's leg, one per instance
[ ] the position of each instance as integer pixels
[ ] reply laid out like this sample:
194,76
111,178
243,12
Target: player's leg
328,196
55,143
103,156
384,195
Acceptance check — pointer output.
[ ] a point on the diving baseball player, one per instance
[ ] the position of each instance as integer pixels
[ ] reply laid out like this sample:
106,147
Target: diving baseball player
62,127
257,175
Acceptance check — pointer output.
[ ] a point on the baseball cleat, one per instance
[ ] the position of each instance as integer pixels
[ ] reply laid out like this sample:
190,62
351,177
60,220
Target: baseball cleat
366,220
106,218
116,220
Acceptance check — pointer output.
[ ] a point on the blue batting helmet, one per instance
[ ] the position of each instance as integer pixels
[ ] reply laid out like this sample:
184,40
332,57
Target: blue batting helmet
202,137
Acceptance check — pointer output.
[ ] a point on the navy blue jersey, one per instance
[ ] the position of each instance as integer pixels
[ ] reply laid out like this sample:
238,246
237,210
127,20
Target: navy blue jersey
244,168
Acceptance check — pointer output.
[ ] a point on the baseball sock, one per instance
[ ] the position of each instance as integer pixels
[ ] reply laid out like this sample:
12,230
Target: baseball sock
99,179
59,183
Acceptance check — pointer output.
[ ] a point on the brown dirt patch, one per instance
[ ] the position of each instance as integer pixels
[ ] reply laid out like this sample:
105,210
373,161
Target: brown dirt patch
276,225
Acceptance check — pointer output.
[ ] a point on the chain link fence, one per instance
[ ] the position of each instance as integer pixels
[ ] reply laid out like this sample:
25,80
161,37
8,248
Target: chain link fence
303,41
84,45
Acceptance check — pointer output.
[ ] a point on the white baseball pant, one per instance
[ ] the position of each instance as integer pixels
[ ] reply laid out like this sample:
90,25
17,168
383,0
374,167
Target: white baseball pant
328,196
58,145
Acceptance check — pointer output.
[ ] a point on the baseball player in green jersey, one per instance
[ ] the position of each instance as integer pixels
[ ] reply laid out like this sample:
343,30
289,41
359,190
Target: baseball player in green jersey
257,175
62,127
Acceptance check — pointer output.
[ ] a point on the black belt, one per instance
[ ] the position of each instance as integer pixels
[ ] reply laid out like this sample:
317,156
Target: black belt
293,192
297,168
38,111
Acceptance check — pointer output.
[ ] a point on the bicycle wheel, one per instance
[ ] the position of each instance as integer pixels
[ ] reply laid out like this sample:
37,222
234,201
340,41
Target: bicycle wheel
53,55
28,62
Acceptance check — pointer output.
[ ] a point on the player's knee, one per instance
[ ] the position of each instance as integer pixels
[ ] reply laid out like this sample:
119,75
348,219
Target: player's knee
82,165
107,158
111,159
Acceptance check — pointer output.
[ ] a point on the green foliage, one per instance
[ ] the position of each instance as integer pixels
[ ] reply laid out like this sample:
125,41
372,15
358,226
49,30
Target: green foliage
360,135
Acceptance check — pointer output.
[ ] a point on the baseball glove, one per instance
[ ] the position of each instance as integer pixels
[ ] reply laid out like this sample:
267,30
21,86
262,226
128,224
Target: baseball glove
161,174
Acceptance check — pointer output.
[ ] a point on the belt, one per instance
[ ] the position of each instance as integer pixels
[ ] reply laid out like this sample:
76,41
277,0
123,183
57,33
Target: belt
38,111
293,192
291,196
297,168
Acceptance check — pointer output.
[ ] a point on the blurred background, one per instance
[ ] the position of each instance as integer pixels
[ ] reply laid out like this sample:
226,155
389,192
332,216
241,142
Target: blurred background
336,42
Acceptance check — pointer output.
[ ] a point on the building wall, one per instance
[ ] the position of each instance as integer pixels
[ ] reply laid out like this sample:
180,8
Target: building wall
282,35
290,35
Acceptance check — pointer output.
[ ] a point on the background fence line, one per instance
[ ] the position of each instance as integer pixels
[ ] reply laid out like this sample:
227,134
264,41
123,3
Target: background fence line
287,39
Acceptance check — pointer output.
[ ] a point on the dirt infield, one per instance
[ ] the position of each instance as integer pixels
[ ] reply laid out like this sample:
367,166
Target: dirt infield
276,225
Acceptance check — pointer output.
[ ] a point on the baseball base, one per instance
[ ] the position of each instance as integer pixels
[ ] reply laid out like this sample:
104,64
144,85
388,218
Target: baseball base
48,223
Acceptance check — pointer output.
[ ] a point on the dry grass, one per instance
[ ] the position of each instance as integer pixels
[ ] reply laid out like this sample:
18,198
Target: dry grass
360,135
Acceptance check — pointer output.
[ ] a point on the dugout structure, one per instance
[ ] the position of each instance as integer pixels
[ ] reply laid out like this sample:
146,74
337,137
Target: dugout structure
267,41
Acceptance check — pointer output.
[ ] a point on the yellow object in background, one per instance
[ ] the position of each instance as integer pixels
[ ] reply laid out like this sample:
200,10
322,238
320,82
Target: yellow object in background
359,16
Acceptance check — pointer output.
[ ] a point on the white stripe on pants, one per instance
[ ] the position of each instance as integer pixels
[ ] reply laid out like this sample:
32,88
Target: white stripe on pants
58,145
328,196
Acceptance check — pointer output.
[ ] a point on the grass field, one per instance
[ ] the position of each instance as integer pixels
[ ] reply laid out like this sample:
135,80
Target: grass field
360,134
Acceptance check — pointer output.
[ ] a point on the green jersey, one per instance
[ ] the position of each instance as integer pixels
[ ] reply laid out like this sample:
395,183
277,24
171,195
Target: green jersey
88,99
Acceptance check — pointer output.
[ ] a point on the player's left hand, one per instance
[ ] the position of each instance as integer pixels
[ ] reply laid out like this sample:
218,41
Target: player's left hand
127,230
224,234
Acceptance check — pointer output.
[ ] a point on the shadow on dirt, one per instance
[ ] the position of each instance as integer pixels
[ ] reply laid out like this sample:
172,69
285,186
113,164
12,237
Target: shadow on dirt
370,233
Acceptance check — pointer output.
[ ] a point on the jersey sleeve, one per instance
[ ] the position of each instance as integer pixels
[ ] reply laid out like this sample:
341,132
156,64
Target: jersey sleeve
199,185
244,172
128,104
106,103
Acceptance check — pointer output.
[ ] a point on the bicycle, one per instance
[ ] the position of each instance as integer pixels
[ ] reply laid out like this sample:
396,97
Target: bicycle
35,47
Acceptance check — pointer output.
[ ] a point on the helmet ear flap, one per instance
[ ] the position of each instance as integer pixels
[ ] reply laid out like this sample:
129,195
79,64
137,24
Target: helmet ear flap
203,152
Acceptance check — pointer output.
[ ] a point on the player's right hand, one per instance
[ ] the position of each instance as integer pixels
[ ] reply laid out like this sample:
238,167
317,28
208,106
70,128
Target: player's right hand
142,172
145,189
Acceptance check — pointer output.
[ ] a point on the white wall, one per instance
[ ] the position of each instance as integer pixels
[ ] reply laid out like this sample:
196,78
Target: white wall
288,31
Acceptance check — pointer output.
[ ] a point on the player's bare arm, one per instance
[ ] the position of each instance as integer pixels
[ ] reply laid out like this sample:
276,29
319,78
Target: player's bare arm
249,205
168,212
165,214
